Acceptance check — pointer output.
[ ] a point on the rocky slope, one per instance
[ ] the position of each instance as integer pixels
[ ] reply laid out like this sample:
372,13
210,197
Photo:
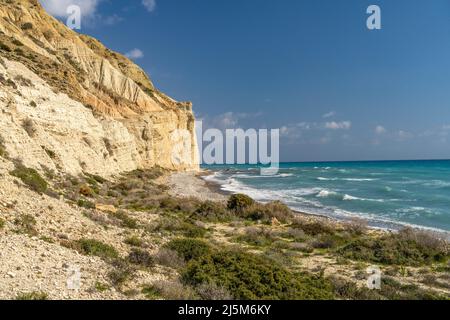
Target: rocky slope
70,104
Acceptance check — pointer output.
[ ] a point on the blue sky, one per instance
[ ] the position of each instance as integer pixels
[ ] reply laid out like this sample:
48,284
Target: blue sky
312,68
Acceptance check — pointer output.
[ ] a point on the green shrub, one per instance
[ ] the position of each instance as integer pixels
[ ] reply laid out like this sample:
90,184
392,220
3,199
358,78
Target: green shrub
176,225
101,287
211,211
257,236
140,257
169,290
31,178
134,241
170,203
97,248
192,231
267,212
169,258
121,273
313,228
125,220
390,290
151,292
210,292
2,223
32,296
239,202
85,204
251,277
407,247
93,179
189,249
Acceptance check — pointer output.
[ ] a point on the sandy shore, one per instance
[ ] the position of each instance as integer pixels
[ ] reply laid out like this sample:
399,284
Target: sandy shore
190,184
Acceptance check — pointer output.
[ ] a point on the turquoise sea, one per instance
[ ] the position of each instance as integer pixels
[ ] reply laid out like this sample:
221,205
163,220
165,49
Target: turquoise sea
389,194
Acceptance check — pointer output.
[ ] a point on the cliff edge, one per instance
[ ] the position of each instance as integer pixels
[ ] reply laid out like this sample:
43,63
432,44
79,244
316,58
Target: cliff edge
70,104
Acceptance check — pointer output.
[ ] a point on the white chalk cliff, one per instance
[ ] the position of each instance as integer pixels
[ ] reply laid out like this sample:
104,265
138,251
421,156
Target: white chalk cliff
68,103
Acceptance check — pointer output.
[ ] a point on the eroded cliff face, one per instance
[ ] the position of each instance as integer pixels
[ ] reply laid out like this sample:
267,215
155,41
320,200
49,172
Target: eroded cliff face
70,104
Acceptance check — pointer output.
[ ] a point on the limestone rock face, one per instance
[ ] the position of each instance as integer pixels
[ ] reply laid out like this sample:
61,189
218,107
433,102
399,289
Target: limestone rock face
70,104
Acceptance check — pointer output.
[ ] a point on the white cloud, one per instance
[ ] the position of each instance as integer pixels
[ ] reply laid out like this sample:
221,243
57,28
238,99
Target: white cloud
404,135
112,19
58,8
329,114
380,130
228,120
135,54
149,4
344,125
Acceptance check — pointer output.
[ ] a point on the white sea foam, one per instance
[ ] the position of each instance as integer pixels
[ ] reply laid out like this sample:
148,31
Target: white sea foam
326,193
326,179
348,197
359,179
302,199
346,179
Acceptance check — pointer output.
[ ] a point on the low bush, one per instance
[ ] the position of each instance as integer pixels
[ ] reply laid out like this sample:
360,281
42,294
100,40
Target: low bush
390,290
176,225
169,290
31,178
267,212
189,249
134,241
97,248
257,236
35,295
211,211
121,273
85,204
250,277
209,292
313,228
407,247
170,203
125,220
239,202
324,241
140,257
169,258
191,230
2,223
97,217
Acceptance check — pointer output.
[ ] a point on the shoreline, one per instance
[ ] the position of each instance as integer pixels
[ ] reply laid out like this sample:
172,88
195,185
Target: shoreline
211,190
